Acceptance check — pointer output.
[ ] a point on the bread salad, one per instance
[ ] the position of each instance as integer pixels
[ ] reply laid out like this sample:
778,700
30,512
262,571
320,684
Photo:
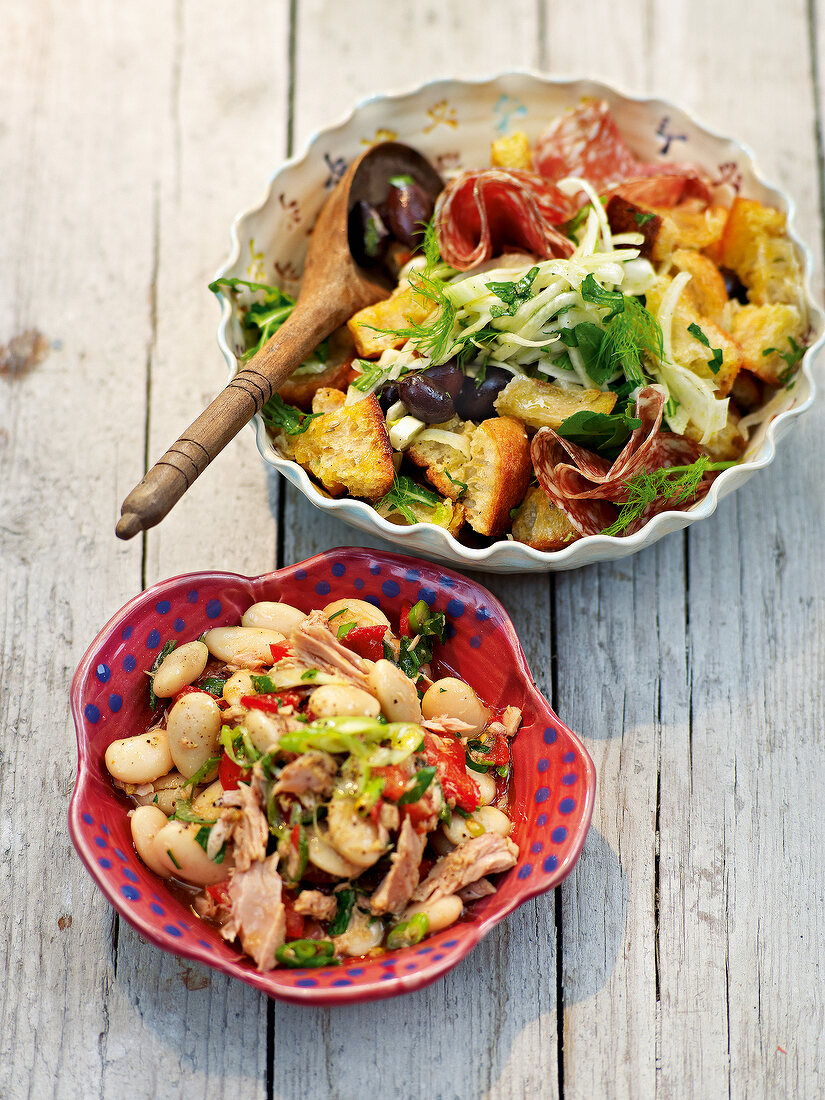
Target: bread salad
324,795
577,341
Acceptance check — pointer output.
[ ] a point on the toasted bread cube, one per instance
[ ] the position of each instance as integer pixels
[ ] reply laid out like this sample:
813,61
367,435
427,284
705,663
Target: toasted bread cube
755,245
544,405
540,524
445,466
758,328
300,388
512,152
498,474
373,328
327,400
706,289
688,349
722,446
446,514
348,450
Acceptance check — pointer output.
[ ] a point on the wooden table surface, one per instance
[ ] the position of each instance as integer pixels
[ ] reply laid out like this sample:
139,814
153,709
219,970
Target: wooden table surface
686,954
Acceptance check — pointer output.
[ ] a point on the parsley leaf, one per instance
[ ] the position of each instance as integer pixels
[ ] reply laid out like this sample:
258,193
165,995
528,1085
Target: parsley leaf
604,433
277,414
513,294
643,219
158,661
792,359
715,362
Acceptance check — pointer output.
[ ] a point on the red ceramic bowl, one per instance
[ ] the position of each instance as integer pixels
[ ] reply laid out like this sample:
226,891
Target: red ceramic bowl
553,780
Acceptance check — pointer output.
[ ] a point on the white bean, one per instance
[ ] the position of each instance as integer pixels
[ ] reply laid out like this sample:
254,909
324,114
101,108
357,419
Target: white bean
494,821
193,728
179,854
458,829
334,699
265,731
147,821
206,805
165,793
180,668
455,699
486,786
359,612
140,759
246,646
356,838
395,692
238,685
327,858
441,913
273,616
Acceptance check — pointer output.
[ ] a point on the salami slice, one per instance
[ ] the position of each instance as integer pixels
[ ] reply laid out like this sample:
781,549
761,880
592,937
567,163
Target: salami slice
588,488
586,142
483,213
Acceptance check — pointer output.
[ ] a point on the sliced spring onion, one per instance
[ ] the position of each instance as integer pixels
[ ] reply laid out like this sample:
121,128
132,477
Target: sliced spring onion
309,953
408,932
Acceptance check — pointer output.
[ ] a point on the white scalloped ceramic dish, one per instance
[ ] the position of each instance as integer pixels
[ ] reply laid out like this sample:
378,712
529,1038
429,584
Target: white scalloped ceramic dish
452,122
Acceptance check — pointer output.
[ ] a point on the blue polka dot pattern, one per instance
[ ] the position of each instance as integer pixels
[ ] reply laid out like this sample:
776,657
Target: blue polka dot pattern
455,609
153,640
307,982
126,633
569,779
342,981
213,609
536,847
92,713
475,641
448,582
412,574
550,736
550,864
163,607
542,794
179,624
567,805
130,893
559,834
543,764
375,569
130,875
87,818
173,930
161,912
569,757
541,820
103,673
323,588
358,584
391,589
482,614
338,569
373,600
115,702
100,841
427,595
192,596
105,863
300,574
525,871
129,662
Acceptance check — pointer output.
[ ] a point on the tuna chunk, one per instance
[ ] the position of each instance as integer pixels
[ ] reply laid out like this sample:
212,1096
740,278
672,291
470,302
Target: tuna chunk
316,646
312,903
444,724
312,771
243,822
402,878
481,888
488,854
257,914
511,720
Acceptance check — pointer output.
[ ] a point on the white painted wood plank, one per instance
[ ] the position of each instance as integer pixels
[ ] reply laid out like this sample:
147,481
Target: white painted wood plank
504,994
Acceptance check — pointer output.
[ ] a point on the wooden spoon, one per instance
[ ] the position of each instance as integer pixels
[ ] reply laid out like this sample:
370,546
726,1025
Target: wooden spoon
333,288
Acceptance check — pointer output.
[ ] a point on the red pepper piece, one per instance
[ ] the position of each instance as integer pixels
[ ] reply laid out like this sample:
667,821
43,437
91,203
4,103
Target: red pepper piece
294,921
279,650
366,641
395,781
271,703
230,773
188,691
219,892
459,789
404,622
497,755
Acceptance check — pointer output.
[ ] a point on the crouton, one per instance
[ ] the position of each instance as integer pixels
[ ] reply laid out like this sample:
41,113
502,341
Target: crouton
445,466
369,327
300,388
706,289
512,152
445,514
760,328
498,474
544,405
725,445
755,245
542,525
688,225
689,350
327,400
349,451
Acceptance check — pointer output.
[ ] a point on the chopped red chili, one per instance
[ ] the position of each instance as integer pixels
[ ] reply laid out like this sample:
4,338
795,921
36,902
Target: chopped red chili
230,773
459,789
279,650
366,641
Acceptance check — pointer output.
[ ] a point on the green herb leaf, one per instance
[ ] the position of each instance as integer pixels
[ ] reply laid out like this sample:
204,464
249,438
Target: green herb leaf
405,491
513,293
604,433
264,685
345,628
643,219
715,362
462,485
423,778
309,953
408,932
262,318
213,685
310,674
277,414
158,661
335,614
631,331
340,922
202,772
677,484
792,359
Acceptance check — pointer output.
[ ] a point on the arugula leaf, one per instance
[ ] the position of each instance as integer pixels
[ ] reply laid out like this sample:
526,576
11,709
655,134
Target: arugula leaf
405,491
371,374
604,433
262,319
513,294
277,414
158,661
677,484
792,359
715,363
590,340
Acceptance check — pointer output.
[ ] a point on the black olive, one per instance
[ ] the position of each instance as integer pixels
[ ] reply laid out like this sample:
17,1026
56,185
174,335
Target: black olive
425,399
387,396
734,286
407,209
476,400
447,375
369,238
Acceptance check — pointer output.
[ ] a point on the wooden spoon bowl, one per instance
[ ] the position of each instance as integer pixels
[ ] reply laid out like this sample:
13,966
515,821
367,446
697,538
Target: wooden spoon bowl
333,288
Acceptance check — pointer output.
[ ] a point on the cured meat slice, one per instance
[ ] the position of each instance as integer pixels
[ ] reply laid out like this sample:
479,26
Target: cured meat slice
586,142
588,487
486,212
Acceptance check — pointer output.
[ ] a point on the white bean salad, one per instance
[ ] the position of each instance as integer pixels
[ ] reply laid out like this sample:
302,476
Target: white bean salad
322,793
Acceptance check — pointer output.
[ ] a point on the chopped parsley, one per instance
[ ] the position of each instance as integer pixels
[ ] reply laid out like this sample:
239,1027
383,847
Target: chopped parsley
715,362
513,293
277,414
643,219
158,661
792,359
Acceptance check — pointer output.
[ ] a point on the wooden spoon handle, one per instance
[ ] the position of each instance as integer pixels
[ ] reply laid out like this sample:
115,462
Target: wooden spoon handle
165,483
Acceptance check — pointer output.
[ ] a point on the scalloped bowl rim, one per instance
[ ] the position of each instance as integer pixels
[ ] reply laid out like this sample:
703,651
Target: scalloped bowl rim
518,893
589,548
